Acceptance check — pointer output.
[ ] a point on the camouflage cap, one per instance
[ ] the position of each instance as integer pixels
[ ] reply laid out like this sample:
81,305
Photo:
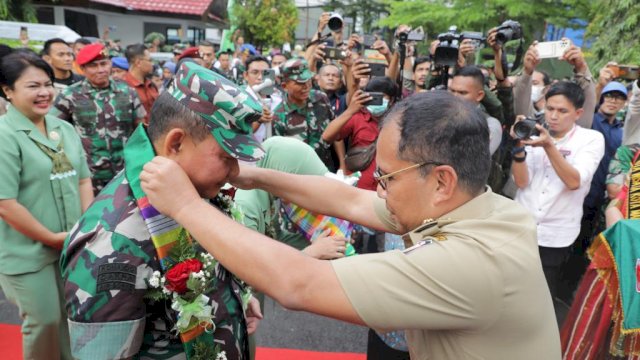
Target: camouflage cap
296,70
227,110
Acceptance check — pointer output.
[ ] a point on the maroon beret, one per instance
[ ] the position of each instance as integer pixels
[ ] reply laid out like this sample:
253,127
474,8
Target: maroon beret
191,52
91,53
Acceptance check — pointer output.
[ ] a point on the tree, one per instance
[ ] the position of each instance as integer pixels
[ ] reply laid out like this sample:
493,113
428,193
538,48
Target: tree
481,15
614,28
266,22
367,10
17,10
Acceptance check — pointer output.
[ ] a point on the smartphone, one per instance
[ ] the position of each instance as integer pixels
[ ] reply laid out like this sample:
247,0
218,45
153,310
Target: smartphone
625,72
334,53
368,40
374,57
376,98
552,49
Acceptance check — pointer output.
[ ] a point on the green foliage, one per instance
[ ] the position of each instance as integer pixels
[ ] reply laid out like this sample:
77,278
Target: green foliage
481,15
15,43
367,10
17,10
614,26
154,294
183,249
266,22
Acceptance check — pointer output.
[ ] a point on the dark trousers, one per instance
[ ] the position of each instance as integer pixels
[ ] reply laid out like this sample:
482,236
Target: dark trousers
552,261
378,350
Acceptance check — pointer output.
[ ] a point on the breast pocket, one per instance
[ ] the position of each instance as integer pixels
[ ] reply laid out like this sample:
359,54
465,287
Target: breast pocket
86,116
124,115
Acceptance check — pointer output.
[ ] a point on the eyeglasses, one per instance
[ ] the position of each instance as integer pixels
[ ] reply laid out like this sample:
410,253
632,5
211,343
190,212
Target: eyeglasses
614,97
382,179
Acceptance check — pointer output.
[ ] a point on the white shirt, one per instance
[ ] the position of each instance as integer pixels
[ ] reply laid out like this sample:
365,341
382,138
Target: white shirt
263,132
556,209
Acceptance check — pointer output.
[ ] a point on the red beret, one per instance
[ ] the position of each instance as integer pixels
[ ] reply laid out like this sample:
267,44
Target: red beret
191,52
91,53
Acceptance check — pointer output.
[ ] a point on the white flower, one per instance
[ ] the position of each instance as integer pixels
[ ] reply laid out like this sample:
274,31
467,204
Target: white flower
222,355
166,291
198,275
154,281
208,274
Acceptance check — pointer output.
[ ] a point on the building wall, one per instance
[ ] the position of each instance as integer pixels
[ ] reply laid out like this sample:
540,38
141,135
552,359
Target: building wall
129,28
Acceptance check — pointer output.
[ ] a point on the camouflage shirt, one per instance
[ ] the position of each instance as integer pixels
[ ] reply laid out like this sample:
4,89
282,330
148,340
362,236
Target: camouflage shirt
621,164
106,263
104,119
306,123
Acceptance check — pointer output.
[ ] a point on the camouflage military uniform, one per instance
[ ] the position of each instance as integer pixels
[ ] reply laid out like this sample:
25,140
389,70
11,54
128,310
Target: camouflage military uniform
106,264
110,254
621,164
306,123
104,119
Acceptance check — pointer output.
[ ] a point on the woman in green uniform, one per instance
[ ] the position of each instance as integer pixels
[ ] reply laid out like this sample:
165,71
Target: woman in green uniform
45,184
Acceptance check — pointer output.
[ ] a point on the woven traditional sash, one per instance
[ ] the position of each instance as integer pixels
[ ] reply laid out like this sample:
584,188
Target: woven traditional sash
604,319
65,192
311,224
164,231
633,206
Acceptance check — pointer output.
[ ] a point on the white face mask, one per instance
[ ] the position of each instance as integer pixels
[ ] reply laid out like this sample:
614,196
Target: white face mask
536,93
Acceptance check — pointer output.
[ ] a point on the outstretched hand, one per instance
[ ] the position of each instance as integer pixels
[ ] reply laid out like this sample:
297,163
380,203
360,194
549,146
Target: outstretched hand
253,315
167,186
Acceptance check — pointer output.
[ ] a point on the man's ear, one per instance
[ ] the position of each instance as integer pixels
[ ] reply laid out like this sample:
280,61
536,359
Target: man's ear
480,95
173,142
447,182
579,112
46,58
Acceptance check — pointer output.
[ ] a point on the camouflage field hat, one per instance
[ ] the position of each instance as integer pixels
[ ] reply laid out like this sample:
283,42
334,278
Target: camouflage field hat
227,110
296,70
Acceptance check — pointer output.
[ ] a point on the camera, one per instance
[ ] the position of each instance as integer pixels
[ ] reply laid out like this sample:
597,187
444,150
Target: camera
335,22
447,51
509,30
527,128
377,98
334,53
413,35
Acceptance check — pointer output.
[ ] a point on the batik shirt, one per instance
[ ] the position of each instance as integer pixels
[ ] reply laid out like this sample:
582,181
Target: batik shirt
306,123
104,119
106,264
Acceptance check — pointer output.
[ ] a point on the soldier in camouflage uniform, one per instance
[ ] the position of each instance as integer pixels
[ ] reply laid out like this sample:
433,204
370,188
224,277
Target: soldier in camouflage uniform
109,256
103,111
304,113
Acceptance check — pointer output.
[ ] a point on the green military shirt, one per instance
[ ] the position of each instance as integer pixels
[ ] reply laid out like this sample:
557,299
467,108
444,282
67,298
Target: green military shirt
104,119
106,266
621,164
306,123
25,176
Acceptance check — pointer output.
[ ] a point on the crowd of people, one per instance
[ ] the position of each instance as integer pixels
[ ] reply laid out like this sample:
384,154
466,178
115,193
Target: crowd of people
491,214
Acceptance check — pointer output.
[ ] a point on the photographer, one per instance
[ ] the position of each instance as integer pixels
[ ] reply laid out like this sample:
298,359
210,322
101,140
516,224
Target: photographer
359,124
553,174
582,76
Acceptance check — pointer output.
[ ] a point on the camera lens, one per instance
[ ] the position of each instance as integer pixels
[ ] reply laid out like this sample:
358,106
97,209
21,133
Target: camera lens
524,129
335,22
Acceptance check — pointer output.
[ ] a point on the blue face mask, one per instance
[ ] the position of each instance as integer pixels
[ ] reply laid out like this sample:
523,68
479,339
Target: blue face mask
377,110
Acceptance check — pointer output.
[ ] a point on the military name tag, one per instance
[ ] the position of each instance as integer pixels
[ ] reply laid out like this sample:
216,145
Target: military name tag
116,276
